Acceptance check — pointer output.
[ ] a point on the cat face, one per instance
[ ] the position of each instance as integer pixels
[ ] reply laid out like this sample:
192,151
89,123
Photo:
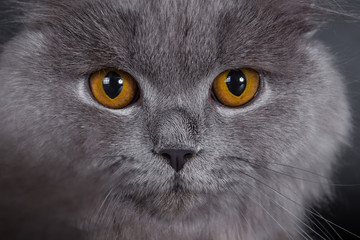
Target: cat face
243,159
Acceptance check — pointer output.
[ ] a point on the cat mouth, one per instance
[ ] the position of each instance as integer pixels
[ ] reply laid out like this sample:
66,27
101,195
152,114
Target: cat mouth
177,200
177,185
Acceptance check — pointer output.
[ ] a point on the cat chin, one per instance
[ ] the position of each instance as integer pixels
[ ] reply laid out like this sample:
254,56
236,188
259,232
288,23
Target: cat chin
179,204
172,216
173,204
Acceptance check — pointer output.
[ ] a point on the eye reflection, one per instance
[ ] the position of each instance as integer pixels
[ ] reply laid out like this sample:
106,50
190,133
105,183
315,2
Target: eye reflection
112,84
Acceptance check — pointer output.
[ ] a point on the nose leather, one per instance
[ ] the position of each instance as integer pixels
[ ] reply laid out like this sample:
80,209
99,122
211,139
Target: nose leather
177,157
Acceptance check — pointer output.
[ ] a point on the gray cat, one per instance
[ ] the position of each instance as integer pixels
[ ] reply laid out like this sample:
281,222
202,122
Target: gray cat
167,120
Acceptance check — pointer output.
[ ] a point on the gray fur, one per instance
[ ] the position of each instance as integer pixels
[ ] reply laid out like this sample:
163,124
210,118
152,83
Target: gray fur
78,168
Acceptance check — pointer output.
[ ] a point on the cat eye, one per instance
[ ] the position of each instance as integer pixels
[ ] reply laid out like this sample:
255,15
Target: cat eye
113,88
236,87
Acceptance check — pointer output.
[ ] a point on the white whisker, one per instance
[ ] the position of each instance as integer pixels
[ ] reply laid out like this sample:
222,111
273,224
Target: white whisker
248,223
320,226
305,208
303,179
293,215
272,217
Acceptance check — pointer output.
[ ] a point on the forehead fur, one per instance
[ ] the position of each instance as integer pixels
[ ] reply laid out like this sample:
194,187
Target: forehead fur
50,9
280,13
196,33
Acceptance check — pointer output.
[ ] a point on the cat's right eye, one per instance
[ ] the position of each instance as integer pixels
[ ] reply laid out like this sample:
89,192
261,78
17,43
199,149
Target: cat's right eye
113,88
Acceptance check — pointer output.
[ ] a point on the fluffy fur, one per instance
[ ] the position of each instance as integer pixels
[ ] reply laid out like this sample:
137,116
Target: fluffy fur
73,169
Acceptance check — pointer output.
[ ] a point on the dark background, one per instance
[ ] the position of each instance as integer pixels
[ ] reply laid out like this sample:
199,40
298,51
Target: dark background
343,38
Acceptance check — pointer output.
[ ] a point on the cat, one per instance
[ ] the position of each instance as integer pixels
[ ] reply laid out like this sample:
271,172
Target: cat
214,120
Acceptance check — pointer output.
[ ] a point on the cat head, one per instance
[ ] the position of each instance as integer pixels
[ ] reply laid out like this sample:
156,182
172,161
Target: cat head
237,158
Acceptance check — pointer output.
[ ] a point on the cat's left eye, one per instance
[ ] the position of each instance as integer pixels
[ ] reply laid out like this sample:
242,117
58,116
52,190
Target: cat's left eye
113,88
234,88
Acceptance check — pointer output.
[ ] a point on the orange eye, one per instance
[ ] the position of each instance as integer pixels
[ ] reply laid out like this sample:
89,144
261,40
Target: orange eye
234,88
113,88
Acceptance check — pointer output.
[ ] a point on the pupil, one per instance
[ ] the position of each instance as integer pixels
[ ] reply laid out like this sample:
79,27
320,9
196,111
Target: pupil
112,84
236,82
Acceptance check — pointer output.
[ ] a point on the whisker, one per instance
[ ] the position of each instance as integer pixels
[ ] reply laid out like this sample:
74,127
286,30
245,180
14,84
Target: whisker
305,208
332,228
105,199
293,215
282,173
319,215
248,223
108,236
331,224
106,210
283,165
303,179
321,227
293,167
272,217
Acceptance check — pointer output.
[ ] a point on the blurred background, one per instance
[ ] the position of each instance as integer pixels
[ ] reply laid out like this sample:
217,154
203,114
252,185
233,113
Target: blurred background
343,38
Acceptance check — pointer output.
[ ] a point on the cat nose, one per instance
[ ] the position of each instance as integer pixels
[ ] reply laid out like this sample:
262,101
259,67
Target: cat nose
177,157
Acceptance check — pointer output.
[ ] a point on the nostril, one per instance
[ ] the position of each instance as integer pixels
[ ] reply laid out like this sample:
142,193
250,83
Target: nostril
177,157
166,155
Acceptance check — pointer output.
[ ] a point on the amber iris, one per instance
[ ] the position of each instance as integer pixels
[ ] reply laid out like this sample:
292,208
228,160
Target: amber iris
236,87
113,88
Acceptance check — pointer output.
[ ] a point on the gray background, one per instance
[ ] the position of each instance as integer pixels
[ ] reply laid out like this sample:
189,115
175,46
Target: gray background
343,38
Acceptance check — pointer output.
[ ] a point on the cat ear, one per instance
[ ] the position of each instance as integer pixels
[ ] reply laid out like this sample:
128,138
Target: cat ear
309,15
